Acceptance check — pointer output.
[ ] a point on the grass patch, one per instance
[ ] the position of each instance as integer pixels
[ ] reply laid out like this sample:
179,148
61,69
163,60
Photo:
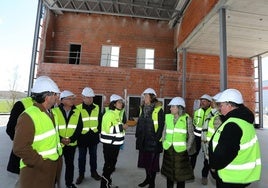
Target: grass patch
5,106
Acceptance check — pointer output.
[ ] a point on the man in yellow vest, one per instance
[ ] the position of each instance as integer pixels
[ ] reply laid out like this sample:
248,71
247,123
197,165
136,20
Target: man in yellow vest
211,124
198,120
13,165
70,128
36,139
234,151
89,139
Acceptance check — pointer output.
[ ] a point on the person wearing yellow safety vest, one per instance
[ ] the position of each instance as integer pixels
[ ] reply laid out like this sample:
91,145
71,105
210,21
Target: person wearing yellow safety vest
70,128
234,150
198,120
112,138
211,124
13,165
148,135
178,142
89,139
36,139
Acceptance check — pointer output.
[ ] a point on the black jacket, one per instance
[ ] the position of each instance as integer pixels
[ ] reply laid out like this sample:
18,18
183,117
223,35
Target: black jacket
229,141
14,161
146,137
17,109
90,138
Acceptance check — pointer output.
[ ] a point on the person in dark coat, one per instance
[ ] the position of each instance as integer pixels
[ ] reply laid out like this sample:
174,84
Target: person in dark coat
13,165
178,142
234,150
148,134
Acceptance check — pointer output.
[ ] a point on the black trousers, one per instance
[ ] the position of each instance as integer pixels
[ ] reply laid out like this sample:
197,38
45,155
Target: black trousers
180,184
68,153
205,169
198,147
220,184
110,153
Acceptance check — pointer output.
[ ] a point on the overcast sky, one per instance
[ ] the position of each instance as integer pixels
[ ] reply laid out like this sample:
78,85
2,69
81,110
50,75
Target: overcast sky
17,24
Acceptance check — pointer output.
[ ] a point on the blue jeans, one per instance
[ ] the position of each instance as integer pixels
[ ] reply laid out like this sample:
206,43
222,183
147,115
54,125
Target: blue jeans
92,150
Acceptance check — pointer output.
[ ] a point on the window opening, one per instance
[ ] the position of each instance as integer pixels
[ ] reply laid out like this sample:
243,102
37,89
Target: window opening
110,56
145,58
74,54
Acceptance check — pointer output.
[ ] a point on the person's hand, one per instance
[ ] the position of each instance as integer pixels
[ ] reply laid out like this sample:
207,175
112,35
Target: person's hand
65,141
125,126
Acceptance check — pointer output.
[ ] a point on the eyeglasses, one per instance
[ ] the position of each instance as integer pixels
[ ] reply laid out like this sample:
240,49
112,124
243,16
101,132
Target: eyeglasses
223,104
53,94
69,98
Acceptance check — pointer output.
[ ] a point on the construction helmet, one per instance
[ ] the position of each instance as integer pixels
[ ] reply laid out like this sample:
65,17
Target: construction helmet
44,84
149,91
206,96
115,97
216,97
177,101
66,93
88,92
231,95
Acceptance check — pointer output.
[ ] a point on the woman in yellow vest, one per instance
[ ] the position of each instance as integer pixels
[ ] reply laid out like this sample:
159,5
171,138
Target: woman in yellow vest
112,138
178,141
70,128
234,151
37,140
148,134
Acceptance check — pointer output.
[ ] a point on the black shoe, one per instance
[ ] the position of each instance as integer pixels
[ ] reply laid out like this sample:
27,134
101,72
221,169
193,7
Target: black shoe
79,179
71,186
96,176
144,183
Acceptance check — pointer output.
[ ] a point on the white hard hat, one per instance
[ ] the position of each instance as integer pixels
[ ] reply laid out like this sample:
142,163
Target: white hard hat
216,97
149,91
231,95
115,97
88,92
177,101
44,84
66,93
207,97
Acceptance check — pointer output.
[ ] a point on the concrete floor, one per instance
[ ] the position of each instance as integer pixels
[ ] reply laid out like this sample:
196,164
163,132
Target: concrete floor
127,175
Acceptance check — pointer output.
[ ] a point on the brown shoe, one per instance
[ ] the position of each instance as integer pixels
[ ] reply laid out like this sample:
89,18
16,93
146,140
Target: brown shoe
79,179
96,176
204,181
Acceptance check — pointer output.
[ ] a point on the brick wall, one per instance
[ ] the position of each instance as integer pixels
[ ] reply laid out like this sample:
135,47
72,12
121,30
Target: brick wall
203,76
92,31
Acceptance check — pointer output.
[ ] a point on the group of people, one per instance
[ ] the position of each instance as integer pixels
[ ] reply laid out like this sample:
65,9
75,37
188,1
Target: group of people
43,133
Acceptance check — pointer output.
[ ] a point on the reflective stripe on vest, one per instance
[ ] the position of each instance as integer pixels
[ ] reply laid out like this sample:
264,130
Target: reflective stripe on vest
46,139
67,131
199,117
89,121
27,102
211,128
246,166
176,135
112,128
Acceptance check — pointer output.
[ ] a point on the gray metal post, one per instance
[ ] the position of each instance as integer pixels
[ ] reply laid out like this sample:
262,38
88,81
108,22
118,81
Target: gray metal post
35,43
223,49
260,91
184,73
